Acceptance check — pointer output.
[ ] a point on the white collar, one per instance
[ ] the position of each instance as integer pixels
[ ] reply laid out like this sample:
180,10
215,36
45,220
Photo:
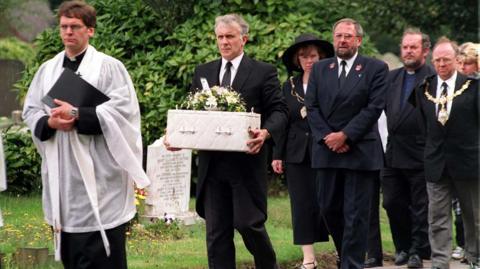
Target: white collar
235,62
450,82
348,61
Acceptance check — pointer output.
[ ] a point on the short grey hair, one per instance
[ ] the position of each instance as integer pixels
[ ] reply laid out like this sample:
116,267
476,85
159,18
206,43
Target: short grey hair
358,27
229,19
426,44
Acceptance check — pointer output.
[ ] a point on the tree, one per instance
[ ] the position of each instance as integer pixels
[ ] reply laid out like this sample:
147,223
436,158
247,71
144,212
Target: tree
161,61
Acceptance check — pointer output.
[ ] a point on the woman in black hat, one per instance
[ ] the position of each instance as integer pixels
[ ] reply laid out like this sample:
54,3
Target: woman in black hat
294,150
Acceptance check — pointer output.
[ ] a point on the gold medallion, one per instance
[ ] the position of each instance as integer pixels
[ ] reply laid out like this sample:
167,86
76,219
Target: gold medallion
303,112
443,115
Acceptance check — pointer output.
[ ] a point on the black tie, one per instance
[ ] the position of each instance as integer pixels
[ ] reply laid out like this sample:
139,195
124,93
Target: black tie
227,76
444,93
343,75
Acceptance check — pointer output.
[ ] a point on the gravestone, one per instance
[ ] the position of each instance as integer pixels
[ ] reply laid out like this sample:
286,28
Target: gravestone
169,194
10,73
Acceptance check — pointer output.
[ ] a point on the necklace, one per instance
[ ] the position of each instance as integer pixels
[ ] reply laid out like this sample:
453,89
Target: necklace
442,100
301,100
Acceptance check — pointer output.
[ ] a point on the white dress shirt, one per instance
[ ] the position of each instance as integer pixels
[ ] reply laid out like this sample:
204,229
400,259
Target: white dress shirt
451,88
233,69
348,66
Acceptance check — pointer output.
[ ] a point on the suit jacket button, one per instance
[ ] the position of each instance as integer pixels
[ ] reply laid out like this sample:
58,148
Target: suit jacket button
307,133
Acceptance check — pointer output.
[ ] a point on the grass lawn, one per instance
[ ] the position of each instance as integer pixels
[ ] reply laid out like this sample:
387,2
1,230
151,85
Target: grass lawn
161,246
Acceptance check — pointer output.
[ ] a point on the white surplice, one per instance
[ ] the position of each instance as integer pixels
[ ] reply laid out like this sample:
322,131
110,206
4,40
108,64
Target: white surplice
88,179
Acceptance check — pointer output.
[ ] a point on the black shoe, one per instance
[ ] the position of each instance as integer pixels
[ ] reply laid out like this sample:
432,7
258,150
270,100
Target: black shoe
414,261
373,262
401,258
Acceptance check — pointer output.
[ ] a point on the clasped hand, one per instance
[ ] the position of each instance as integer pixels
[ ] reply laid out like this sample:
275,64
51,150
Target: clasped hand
60,118
336,142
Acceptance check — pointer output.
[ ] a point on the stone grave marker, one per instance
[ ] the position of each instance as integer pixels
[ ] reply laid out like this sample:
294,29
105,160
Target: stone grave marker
169,194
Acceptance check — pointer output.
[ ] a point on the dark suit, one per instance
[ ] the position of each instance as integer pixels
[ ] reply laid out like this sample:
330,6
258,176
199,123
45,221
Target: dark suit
295,148
345,180
403,182
232,187
452,167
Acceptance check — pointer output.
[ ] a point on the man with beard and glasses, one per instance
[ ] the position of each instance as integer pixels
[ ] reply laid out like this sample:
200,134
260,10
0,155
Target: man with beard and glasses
403,180
345,97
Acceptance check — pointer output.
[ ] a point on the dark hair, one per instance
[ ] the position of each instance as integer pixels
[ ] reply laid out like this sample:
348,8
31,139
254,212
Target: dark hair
308,47
80,10
426,44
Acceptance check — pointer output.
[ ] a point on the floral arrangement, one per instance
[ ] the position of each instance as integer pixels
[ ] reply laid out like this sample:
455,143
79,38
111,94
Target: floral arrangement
216,98
140,195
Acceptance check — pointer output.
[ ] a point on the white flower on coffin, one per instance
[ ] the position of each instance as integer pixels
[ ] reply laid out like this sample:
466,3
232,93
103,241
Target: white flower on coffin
216,98
231,99
211,103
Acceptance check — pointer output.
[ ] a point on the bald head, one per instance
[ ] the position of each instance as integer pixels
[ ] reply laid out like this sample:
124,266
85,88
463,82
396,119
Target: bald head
444,59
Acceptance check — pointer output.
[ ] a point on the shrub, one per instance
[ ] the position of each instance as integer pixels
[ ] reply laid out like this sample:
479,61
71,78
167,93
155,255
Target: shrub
161,64
12,48
22,162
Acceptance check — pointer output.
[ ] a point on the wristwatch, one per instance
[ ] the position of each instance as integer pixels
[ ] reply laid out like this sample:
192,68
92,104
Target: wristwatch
74,112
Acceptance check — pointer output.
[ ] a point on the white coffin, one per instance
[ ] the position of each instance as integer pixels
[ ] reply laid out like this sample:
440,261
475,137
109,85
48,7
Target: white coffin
210,130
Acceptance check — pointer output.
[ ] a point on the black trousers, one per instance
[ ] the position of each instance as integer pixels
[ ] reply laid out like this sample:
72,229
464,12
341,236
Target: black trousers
406,201
86,250
374,249
344,197
229,206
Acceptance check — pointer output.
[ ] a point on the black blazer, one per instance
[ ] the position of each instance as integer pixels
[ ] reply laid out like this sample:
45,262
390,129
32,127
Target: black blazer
258,84
454,146
354,109
406,135
295,143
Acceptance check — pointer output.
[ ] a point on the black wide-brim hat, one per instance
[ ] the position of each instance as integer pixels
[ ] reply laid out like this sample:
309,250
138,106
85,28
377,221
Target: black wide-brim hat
303,40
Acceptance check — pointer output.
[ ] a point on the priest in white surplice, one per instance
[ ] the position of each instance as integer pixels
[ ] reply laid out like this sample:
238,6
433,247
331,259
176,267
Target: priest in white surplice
91,156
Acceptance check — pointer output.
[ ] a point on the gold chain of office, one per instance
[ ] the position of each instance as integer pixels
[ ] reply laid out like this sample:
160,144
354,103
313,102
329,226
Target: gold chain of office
442,100
300,99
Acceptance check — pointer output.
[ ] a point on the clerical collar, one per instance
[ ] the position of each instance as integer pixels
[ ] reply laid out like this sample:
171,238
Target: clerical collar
73,62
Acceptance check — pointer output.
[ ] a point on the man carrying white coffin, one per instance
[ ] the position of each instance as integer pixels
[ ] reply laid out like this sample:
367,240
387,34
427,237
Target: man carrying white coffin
232,186
91,156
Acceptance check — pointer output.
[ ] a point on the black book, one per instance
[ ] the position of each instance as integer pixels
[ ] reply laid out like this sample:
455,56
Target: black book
71,88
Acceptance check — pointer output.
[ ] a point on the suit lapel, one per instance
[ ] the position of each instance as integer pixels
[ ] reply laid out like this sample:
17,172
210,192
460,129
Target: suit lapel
299,86
332,82
396,99
243,73
401,115
354,76
431,106
213,73
458,84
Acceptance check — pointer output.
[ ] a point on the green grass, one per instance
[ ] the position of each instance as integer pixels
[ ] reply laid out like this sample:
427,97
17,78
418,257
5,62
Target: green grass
174,247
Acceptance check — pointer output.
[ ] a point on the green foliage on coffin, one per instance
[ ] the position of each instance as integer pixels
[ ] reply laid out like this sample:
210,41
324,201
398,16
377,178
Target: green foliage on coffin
161,55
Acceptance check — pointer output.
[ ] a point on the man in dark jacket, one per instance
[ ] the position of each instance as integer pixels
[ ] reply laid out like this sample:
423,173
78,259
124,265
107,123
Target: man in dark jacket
449,106
232,186
404,187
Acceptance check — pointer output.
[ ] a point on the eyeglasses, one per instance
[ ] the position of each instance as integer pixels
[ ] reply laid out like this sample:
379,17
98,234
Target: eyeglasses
345,36
74,27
